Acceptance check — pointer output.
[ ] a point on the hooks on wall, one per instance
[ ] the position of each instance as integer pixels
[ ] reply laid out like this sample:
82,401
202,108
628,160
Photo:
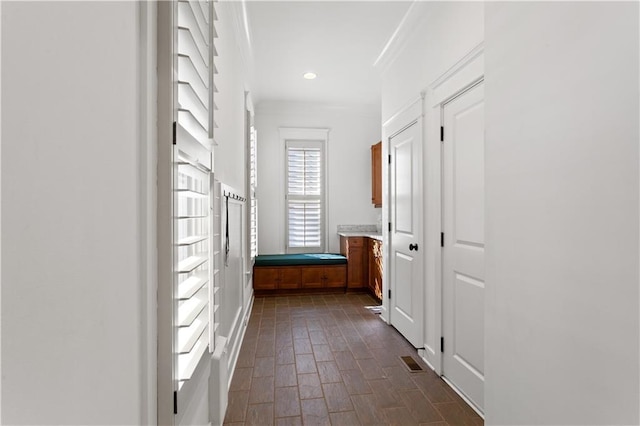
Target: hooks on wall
233,196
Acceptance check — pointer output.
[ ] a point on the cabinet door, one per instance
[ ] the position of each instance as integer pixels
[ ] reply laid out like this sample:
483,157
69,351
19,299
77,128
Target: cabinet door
289,278
376,174
355,271
312,277
357,262
335,276
266,278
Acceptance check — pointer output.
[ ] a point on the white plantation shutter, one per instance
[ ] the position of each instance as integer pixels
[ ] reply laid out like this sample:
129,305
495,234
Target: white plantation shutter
192,242
253,202
305,196
195,233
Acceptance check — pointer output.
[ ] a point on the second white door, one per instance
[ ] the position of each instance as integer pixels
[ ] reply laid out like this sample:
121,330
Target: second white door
463,252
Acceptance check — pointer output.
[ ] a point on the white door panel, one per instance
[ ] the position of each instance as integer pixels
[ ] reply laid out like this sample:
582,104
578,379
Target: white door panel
469,322
403,297
463,252
407,284
402,152
468,168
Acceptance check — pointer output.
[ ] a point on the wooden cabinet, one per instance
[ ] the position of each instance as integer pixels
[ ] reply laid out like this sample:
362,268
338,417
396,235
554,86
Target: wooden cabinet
354,249
375,267
312,277
335,277
299,277
364,264
376,174
276,278
289,278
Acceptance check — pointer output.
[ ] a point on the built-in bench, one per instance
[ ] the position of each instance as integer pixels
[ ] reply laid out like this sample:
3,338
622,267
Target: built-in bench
292,273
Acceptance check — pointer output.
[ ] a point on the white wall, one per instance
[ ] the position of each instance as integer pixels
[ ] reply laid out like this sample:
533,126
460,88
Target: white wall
352,132
73,189
444,34
562,213
437,36
236,293
229,158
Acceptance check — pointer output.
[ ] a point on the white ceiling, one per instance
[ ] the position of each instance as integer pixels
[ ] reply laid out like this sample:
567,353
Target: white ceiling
338,40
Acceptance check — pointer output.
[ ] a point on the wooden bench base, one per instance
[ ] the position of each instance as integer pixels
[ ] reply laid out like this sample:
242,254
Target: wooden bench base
299,278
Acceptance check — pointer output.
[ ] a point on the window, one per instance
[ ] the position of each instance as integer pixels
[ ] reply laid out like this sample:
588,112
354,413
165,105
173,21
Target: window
305,196
253,202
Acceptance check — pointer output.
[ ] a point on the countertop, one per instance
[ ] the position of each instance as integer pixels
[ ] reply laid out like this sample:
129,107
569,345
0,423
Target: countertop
368,234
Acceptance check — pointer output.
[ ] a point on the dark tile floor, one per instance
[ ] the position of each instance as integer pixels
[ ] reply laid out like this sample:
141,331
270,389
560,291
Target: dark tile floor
326,359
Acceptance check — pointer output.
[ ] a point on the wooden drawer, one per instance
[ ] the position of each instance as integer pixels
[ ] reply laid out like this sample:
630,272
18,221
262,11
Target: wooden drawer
356,241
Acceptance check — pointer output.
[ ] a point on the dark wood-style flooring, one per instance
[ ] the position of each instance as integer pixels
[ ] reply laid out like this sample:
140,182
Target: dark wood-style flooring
326,359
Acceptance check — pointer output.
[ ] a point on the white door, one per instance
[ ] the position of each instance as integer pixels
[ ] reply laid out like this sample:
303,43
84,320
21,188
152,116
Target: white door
463,252
406,248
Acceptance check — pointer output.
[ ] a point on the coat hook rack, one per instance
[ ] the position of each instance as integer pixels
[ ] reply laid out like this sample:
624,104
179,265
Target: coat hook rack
233,196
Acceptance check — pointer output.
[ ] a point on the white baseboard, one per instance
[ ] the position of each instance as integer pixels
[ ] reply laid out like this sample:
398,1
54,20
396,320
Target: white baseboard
461,395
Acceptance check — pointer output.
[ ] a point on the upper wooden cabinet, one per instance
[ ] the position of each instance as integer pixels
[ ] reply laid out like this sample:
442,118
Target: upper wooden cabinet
376,174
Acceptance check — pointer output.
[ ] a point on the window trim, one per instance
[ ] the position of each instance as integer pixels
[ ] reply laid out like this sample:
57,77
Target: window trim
304,134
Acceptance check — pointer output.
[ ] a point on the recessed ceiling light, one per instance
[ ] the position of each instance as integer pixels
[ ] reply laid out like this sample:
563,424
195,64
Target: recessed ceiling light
310,75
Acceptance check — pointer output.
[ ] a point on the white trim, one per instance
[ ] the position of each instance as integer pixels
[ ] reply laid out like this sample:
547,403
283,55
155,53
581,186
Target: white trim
233,360
165,93
397,41
469,70
234,336
426,361
147,210
249,103
462,74
461,395
0,216
236,14
406,116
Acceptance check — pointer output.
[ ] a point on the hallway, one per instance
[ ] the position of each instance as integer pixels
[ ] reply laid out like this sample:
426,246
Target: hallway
326,359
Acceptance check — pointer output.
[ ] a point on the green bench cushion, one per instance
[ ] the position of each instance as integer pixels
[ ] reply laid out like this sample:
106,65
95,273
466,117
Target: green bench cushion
300,259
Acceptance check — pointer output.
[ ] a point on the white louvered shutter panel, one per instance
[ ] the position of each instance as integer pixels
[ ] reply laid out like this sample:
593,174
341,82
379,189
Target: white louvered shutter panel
305,195
253,212
194,267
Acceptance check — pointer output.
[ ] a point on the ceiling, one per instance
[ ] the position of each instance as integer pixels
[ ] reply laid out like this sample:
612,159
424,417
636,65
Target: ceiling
338,40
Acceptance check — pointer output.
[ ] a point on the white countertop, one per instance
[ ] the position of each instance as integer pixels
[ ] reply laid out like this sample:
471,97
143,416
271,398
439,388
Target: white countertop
368,234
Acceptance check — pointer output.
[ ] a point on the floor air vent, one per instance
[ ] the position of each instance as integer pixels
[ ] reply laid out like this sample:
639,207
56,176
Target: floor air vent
411,364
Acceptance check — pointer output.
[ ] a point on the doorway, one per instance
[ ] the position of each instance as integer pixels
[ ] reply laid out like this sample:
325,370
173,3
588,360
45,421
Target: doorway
463,242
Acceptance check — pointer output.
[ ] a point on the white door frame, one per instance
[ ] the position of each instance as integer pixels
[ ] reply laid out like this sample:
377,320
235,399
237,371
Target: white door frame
463,74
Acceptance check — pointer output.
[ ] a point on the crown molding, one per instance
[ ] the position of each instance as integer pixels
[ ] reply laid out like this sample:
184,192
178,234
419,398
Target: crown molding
408,24
242,31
